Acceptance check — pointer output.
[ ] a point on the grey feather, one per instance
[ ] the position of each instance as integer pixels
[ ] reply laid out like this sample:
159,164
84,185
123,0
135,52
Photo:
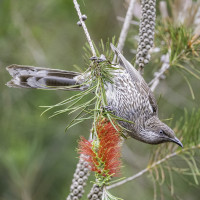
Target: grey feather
136,78
43,78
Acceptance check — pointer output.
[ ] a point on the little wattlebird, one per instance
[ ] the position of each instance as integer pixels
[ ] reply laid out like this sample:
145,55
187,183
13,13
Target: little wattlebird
128,96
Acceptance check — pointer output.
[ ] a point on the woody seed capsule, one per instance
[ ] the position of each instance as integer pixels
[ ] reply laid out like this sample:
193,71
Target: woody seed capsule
80,177
147,26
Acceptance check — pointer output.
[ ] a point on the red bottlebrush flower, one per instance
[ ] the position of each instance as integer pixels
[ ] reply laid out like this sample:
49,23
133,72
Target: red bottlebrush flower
103,155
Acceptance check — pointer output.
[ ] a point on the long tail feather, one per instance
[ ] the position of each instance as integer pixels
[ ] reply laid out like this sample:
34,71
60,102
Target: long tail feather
44,78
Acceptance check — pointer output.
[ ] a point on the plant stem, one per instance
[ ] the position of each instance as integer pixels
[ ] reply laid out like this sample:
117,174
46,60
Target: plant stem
126,25
77,7
158,75
152,166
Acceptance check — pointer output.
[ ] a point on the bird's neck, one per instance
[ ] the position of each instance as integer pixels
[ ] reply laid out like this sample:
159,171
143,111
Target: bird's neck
140,124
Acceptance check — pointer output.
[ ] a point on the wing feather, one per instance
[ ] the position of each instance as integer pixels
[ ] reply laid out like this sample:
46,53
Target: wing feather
136,78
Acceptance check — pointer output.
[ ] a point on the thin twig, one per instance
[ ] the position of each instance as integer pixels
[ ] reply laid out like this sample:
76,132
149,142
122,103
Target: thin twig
152,166
122,19
163,9
126,25
86,175
158,75
76,5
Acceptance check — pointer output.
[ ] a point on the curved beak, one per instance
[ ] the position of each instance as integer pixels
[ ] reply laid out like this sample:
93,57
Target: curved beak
177,141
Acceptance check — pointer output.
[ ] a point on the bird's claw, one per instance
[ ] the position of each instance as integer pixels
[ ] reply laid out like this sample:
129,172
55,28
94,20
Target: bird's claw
108,108
96,59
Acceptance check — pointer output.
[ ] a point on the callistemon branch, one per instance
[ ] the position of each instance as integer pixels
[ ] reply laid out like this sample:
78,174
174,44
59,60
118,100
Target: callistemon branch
82,171
99,72
146,32
103,155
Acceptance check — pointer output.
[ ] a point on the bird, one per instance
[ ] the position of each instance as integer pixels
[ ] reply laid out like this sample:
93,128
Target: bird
128,96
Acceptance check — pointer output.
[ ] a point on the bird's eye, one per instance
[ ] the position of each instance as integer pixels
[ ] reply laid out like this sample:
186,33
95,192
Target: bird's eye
161,131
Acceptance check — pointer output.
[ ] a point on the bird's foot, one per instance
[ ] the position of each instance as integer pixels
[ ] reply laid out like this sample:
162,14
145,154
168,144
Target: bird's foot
108,108
96,59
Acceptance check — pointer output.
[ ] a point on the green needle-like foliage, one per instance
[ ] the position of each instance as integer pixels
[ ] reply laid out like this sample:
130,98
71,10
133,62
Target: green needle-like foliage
183,48
168,159
90,104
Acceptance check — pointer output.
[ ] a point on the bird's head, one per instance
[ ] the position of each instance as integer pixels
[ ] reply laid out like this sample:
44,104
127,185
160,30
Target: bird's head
156,132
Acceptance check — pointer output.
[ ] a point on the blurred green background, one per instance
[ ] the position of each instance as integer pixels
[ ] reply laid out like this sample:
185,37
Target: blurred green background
37,157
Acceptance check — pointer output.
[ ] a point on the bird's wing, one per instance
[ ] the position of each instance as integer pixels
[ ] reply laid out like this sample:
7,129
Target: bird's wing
153,102
136,78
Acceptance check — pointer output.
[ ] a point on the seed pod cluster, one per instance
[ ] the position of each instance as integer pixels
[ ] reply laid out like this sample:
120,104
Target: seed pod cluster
79,181
146,33
95,193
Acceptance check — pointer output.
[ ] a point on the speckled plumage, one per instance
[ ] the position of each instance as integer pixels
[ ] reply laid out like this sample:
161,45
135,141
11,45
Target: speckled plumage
126,101
128,97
